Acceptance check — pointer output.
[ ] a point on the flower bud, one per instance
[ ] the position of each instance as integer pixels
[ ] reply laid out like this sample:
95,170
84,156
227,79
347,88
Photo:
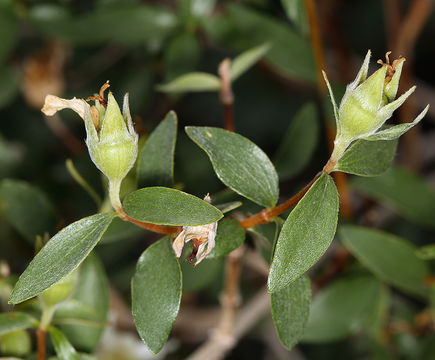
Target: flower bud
16,343
60,291
367,104
111,138
113,147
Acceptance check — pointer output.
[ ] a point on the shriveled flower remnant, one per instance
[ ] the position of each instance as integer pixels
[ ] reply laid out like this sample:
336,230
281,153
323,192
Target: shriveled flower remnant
203,237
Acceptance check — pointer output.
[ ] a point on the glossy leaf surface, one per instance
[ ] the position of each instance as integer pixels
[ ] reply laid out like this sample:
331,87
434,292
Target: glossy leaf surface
164,206
155,164
156,293
238,163
306,234
60,256
290,309
367,158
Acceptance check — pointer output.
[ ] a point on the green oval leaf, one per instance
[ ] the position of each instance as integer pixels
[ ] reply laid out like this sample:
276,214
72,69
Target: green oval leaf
408,194
230,235
238,163
16,321
191,82
391,258
181,55
247,59
90,302
164,206
367,158
306,234
27,209
299,143
156,293
62,254
155,164
290,309
62,346
342,309
426,252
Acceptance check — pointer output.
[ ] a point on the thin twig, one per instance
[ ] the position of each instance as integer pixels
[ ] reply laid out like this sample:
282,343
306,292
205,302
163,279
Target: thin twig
161,229
266,215
226,93
40,342
215,348
406,37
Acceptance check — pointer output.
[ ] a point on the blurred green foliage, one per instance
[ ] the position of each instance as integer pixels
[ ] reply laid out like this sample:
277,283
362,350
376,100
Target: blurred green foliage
71,47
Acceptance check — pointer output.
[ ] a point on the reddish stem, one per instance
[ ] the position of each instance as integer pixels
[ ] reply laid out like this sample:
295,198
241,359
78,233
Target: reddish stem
228,117
40,340
264,216
162,229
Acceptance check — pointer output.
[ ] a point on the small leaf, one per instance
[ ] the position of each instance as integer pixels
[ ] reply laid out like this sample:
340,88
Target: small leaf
257,27
341,309
191,82
395,132
181,56
155,164
27,209
367,158
60,256
90,302
230,235
164,206
408,194
247,59
156,293
16,321
201,8
238,163
426,252
390,258
64,349
290,309
229,206
295,10
306,234
299,143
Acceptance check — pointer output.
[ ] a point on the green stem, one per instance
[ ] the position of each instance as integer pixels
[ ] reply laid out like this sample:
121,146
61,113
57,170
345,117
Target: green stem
114,189
46,317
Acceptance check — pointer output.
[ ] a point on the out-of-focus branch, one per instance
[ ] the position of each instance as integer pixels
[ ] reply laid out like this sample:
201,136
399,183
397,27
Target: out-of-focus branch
215,348
403,36
226,93
319,58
